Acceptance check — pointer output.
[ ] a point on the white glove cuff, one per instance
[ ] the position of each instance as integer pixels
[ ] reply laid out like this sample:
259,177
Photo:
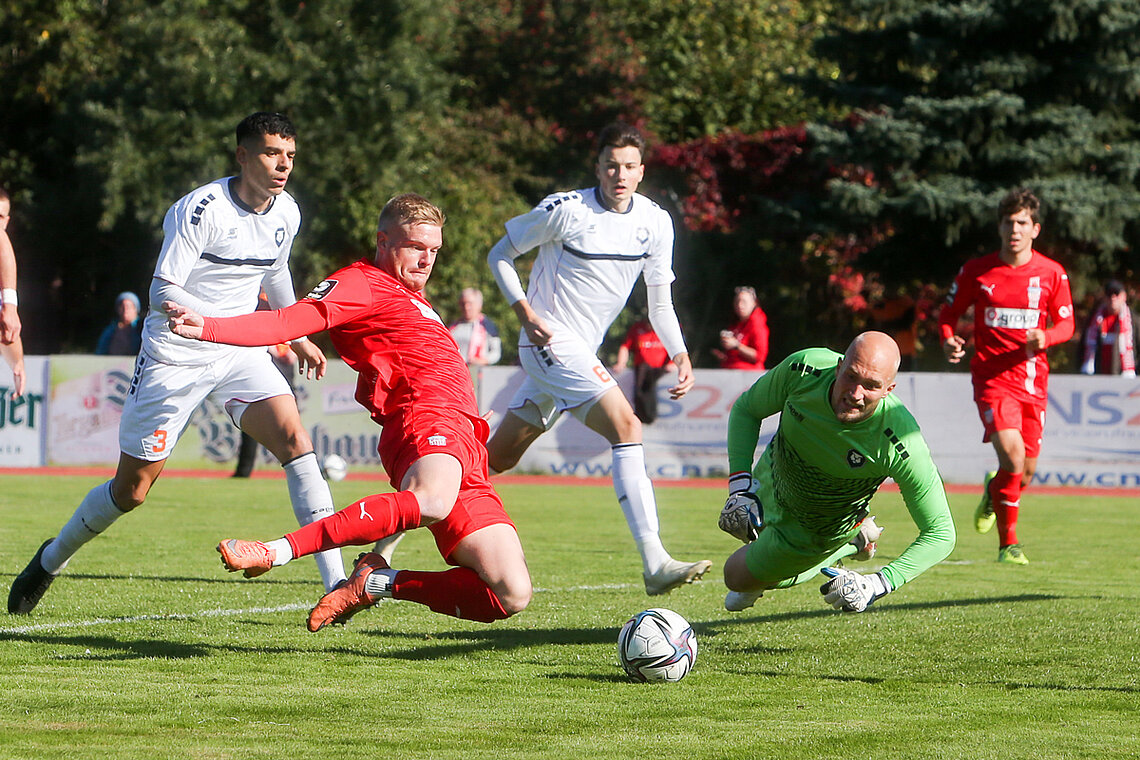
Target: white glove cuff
880,584
739,482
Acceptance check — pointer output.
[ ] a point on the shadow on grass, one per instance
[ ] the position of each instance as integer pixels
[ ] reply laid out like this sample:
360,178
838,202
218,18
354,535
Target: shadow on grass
460,643
107,648
221,578
889,608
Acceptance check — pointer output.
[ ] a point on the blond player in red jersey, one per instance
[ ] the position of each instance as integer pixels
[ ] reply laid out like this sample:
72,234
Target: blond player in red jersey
1016,292
416,385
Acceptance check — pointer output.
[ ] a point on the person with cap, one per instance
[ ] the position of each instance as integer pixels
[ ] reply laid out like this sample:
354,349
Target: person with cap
123,336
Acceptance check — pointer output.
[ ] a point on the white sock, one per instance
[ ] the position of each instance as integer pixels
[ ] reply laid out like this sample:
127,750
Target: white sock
312,500
282,552
379,583
94,515
635,494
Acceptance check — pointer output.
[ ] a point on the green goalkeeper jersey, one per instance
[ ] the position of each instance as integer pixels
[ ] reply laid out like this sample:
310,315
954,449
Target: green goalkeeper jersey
817,475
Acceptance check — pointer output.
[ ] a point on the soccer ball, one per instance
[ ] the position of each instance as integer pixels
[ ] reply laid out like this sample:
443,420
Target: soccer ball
334,467
657,645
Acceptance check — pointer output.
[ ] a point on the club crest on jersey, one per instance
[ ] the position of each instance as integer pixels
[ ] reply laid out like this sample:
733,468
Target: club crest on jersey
642,235
855,459
321,290
279,235
437,440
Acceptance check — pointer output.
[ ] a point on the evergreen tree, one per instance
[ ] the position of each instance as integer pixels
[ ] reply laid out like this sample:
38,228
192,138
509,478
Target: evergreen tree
954,103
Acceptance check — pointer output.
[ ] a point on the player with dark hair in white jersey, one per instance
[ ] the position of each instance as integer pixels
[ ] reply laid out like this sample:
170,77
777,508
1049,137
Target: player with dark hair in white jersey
593,244
223,244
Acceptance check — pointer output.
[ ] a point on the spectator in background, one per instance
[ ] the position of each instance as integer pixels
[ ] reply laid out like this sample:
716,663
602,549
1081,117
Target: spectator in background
1109,347
123,337
476,334
650,363
745,344
9,318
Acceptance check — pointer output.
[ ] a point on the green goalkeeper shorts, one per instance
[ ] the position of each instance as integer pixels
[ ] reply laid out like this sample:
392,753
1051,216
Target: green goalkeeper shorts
775,557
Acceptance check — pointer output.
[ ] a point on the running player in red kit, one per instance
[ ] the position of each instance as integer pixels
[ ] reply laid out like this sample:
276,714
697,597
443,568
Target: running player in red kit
416,385
1015,292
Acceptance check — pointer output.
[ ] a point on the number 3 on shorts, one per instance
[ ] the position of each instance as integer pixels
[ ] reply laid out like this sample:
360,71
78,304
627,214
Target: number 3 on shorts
159,441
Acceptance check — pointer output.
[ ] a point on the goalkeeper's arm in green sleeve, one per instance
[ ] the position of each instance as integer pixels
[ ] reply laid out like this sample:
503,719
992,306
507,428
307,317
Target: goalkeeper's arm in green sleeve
925,499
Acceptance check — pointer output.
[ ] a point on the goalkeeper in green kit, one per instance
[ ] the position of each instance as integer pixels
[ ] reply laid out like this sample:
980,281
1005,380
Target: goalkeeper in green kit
803,507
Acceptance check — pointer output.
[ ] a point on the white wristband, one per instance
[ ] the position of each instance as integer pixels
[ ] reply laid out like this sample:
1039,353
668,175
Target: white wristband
298,341
8,297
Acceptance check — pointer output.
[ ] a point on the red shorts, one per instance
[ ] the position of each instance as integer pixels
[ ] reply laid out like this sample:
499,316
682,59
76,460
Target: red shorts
1001,410
405,441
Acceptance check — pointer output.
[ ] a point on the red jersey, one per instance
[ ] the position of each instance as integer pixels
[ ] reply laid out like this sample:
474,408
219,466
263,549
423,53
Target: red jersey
752,331
1108,343
644,345
1008,301
406,357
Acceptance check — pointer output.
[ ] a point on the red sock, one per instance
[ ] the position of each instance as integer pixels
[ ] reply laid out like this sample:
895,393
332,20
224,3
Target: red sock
458,592
370,519
1005,491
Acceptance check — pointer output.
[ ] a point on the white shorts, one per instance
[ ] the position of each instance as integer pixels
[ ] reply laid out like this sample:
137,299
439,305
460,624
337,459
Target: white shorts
564,375
163,397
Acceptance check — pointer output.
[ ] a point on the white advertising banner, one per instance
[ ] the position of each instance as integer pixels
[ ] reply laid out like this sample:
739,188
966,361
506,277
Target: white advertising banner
70,416
1092,431
86,402
23,419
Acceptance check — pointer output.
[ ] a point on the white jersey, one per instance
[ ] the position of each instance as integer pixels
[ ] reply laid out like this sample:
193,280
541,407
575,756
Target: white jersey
589,259
219,250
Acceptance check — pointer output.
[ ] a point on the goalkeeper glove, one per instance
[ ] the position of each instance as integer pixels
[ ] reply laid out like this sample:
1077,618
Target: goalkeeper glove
851,592
743,515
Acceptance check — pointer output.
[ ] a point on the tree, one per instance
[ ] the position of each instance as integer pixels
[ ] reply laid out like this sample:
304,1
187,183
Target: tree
709,67
957,102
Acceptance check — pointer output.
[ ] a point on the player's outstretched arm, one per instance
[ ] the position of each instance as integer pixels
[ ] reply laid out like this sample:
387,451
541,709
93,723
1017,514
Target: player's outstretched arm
665,323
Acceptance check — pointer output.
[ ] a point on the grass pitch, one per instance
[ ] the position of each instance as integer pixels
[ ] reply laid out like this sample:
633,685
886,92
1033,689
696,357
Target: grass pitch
146,648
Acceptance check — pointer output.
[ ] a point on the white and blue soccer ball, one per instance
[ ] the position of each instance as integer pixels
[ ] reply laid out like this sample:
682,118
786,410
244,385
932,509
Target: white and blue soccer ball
657,645
334,467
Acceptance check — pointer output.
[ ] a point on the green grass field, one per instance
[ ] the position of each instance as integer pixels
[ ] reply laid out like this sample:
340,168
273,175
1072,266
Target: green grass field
146,648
